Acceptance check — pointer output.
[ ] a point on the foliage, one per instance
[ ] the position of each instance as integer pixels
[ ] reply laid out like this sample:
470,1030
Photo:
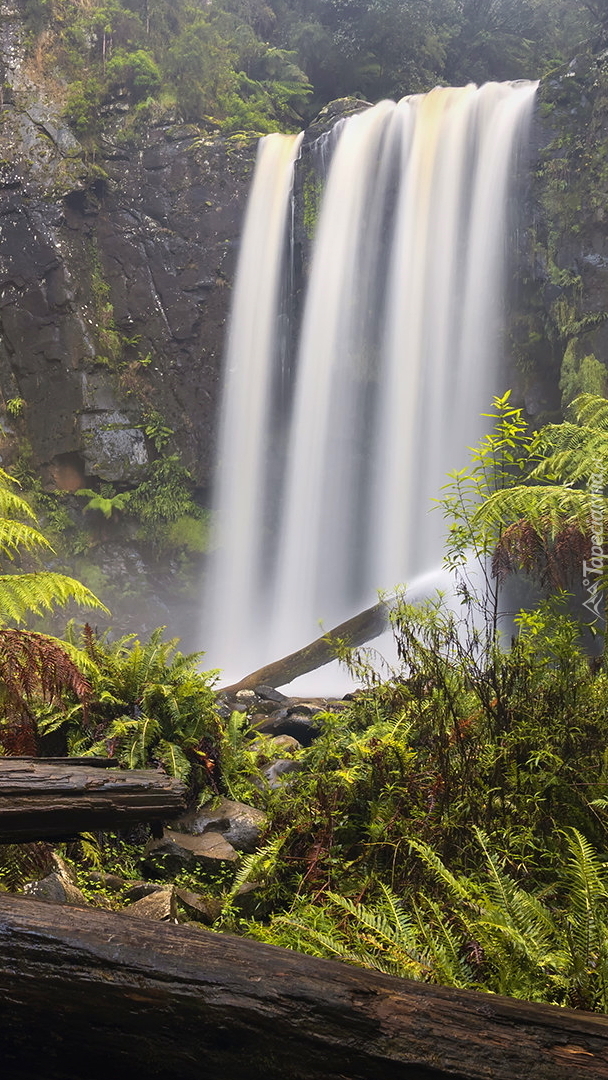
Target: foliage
34,669
20,863
107,502
27,593
136,72
35,672
501,455
544,523
264,66
487,932
156,429
151,706
15,406
163,505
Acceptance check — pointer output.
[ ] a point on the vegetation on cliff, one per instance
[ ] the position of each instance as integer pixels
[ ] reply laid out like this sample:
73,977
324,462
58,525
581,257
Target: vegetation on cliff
255,65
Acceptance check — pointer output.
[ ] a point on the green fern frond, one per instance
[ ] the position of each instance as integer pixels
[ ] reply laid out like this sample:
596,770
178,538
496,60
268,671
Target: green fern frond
37,593
591,410
259,865
15,535
549,507
174,759
458,887
444,946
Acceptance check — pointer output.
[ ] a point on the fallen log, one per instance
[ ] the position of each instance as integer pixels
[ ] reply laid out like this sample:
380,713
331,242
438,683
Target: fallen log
363,627
48,800
92,993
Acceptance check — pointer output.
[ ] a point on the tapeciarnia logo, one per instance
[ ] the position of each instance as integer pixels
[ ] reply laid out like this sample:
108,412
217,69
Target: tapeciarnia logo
594,568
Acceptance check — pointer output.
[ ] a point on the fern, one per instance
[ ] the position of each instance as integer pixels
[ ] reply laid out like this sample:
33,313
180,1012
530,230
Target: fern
151,705
34,668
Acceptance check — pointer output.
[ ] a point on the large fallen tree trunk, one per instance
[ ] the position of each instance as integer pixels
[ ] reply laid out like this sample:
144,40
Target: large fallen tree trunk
95,994
356,631
42,800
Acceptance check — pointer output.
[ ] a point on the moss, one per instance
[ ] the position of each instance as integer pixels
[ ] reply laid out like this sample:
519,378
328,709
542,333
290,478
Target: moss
580,374
311,200
111,342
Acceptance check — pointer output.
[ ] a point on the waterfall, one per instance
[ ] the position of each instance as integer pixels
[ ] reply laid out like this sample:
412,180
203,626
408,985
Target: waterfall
332,451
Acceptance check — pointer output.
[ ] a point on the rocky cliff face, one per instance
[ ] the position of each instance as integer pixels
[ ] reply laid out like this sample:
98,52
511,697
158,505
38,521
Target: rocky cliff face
560,321
114,281
115,276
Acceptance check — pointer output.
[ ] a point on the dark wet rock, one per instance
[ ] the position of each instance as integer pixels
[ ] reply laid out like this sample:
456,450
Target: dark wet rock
159,905
300,725
305,708
247,900
268,693
223,709
56,889
285,743
111,882
278,773
202,909
180,851
246,697
138,889
241,825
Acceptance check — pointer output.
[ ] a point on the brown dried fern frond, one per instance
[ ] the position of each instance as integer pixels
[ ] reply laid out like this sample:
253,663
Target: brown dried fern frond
553,560
521,547
570,549
33,667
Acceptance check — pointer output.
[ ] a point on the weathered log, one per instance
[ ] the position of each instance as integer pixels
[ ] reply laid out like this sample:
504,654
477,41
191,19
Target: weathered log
363,627
95,994
41,800
89,762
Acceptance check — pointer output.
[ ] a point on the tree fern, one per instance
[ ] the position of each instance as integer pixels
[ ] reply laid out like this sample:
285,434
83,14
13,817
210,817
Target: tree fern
33,668
536,515
35,594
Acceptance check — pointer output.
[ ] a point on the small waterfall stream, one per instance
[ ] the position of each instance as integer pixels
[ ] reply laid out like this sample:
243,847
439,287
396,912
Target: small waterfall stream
329,462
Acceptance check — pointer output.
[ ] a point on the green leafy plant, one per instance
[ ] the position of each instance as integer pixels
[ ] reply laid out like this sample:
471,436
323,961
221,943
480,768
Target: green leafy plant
151,705
33,667
106,501
155,428
15,406
486,932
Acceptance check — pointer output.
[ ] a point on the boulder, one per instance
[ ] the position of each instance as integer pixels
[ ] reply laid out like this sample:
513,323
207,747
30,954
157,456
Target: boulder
246,697
277,773
299,723
286,743
139,889
111,882
268,693
270,745
241,825
179,851
247,899
56,889
159,905
203,909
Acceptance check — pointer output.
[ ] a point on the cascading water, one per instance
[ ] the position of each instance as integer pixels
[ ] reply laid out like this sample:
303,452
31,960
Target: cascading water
328,464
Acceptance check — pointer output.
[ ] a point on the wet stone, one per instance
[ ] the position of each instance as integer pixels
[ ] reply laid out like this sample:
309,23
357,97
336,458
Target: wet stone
159,905
241,825
180,851
56,890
